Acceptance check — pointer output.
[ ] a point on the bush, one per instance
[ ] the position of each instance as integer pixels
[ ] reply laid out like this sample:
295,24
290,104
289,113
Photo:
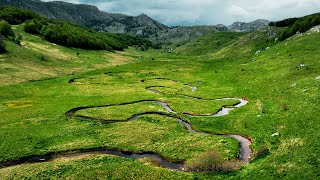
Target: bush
285,107
263,152
2,46
5,29
43,57
211,161
16,39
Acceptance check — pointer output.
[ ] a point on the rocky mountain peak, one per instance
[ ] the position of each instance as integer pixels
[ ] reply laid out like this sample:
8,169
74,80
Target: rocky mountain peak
143,16
262,21
249,27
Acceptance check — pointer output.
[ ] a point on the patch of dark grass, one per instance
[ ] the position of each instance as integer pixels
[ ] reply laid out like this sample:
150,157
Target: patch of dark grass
56,172
211,161
285,107
262,153
43,57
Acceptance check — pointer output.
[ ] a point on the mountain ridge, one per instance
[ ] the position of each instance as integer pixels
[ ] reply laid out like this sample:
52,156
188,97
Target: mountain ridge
250,26
90,16
142,25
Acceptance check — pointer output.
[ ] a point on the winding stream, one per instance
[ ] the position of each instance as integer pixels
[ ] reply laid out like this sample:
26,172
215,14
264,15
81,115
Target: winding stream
245,151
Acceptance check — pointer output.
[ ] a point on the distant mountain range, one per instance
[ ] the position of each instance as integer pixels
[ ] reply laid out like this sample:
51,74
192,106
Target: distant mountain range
142,25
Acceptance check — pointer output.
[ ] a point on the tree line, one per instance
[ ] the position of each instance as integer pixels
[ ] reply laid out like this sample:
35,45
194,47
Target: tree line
294,25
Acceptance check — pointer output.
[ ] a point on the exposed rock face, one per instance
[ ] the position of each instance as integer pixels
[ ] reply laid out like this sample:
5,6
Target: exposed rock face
91,16
249,27
182,34
315,29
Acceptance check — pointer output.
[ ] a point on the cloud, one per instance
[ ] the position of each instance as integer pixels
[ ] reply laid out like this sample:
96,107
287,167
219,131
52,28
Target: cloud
237,11
207,12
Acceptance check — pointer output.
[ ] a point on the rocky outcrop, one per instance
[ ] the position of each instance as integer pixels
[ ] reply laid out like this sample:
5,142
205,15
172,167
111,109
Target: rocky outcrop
182,34
315,29
249,27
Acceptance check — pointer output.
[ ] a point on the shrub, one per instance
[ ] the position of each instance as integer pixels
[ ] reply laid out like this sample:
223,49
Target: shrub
2,46
15,39
5,29
18,39
285,107
263,152
43,57
211,161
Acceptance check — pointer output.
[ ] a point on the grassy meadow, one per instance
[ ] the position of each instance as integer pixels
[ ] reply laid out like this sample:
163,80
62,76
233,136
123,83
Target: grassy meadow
281,84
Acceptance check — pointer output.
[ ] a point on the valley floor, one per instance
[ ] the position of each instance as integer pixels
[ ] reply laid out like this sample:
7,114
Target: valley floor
281,118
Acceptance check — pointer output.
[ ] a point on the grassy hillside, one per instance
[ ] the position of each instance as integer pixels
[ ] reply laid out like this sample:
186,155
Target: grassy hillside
37,59
209,43
177,36
280,80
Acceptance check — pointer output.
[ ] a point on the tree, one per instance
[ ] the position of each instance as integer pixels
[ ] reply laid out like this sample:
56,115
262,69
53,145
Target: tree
5,29
34,26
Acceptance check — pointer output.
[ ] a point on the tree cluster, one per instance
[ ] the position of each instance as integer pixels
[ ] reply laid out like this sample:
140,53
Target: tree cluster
15,15
6,32
284,23
34,26
71,35
5,29
294,25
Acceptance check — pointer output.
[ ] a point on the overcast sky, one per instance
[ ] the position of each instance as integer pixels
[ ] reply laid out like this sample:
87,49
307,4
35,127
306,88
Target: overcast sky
207,12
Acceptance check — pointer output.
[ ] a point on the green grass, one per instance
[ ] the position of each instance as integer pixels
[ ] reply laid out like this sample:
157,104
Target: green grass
37,59
95,167
121,112
209,43
33,121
